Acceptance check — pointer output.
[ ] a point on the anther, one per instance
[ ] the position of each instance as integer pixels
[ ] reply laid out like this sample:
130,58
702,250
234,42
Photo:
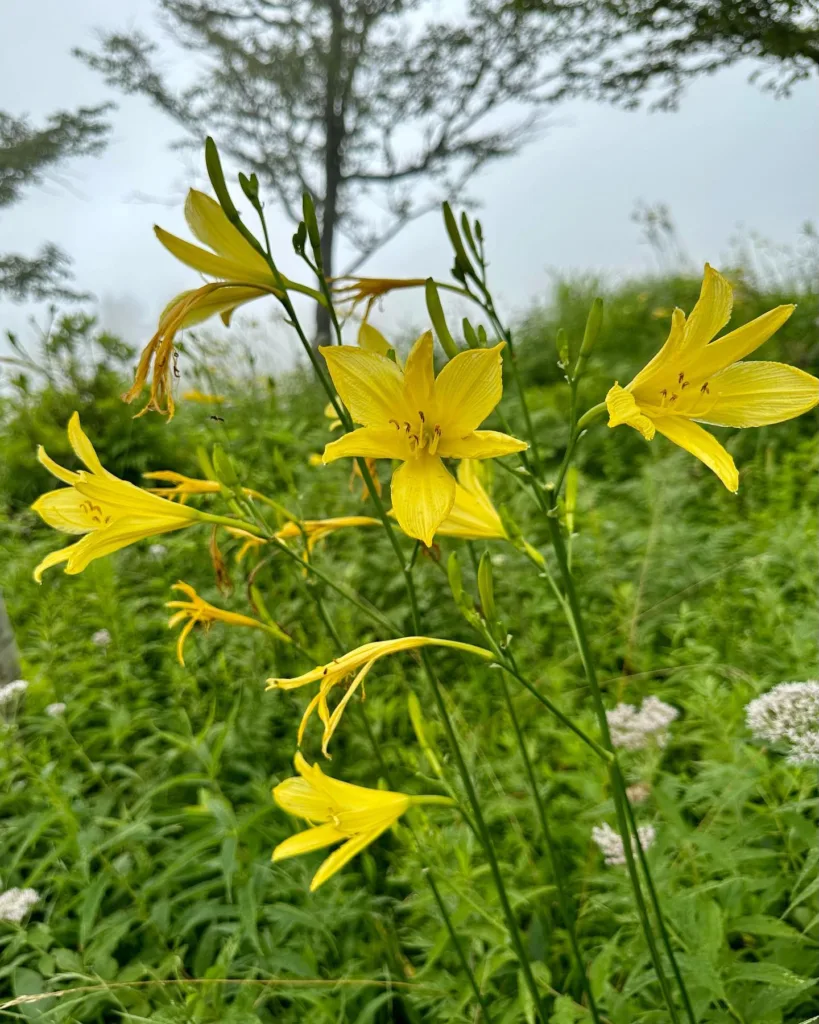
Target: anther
407,427
420,413
705,389
681,378
397,424
685,384
673,398
664,393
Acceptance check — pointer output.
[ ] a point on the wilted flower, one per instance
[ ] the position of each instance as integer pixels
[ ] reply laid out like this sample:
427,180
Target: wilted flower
634,728
11,690
101,638
610,843
356,663
16,903
55,710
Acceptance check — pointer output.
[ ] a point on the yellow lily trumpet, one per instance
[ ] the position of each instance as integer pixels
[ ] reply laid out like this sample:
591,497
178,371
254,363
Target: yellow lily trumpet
694,379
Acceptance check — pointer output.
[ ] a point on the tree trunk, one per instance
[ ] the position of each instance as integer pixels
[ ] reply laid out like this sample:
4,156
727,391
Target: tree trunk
333,137
9,660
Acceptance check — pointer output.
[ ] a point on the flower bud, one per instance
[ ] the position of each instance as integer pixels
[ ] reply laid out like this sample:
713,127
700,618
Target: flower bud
436,315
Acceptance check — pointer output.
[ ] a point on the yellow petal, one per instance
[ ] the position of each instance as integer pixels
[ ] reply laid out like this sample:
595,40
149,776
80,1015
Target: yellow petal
83,448
702,445
419,375
480,444
423,492
666,360
65,475
711,312
200,304
472,515
66,510
739,343
369,384
110,539
370,443
338,858
365,819
371,339
208,222
623,408
54,558
468,389
307,841
758,393
300,797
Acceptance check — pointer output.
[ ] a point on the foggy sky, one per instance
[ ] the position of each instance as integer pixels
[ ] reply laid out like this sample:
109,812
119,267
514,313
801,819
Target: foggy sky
731,159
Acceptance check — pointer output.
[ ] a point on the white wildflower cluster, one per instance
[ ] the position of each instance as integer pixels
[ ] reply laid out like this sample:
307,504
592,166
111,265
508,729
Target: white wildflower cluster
157,551
633,728
16,903
55,710
790,711
101,638
610,843
638,793
12,690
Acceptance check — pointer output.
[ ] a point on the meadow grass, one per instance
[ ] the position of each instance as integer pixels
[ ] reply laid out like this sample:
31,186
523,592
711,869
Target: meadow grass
143,814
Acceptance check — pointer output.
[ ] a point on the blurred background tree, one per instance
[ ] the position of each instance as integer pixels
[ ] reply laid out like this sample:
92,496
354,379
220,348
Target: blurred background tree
348,100
616,50
27,153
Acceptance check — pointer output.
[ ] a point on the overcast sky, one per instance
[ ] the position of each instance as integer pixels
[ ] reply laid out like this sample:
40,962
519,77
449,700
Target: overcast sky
732,158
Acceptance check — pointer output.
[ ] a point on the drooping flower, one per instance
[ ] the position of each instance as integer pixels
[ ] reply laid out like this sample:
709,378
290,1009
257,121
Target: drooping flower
16,903
315,530
610,843
197,609
633,728
355,290
241,275
694,379
111,512
419,419
358,662
338,813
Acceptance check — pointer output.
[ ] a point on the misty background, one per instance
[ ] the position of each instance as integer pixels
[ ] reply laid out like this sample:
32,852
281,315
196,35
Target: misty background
732,160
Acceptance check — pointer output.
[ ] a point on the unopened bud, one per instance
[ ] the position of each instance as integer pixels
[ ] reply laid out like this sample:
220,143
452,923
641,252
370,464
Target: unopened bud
486,590
436,315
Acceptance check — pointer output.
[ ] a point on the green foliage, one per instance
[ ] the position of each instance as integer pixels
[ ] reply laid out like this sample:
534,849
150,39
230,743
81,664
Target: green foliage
143,816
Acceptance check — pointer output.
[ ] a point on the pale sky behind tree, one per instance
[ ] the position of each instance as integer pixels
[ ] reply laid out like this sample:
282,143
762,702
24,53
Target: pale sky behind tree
732,159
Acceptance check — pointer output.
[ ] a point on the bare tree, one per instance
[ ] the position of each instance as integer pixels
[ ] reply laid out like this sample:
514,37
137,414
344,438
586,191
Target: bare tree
27,154
345,99
618,50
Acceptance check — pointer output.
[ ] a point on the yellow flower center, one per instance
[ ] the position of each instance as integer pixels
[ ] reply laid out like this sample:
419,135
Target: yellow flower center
423,434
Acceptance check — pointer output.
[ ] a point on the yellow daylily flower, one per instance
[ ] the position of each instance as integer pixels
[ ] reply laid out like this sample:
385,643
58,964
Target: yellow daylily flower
338,813
358,661
183,486
242,274
202,398
473,516
317,529
413,416
356,290
112,512
197,609
694,379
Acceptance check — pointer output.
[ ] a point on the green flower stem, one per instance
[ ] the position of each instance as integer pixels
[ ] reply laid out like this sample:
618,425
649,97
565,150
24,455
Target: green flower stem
563,898
585,421
473,982
618,788
349,595
472,796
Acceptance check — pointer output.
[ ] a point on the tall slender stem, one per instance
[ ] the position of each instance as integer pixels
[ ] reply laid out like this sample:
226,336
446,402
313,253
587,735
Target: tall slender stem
563,898
618,787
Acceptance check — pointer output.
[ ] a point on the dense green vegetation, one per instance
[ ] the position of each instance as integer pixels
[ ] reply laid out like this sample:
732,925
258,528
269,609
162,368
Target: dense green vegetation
143,815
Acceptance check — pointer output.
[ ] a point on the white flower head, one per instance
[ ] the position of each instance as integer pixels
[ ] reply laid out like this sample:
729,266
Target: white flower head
805,749
787,712
633,728
639,792
55,710
610,843
16,903
101,638
11,690
157,551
